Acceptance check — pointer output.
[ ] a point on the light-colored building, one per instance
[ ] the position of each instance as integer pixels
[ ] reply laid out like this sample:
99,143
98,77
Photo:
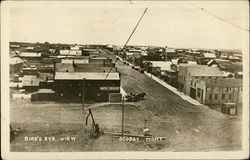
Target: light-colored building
52,51
215,91
197,71
67,52
76,61
30,54
30,48
208,55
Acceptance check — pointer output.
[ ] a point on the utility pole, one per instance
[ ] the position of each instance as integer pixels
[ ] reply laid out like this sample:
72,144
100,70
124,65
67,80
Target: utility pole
122,116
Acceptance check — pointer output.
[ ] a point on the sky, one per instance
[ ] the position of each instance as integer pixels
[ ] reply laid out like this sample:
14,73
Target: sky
171,23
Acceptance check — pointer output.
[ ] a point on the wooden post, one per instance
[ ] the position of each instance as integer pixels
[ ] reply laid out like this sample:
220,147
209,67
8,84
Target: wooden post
122,116
83,88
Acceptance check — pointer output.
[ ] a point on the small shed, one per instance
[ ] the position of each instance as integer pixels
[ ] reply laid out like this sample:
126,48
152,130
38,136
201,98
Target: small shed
229,108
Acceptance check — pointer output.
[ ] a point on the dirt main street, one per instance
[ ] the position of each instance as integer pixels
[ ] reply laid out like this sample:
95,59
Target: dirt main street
186,127
195,127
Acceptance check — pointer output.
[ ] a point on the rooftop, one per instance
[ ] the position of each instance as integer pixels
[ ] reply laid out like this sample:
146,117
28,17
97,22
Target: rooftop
83,67
225,83
30,80
86,75
46,91
30,48
30,54
164,65
202,70
15,60
209,55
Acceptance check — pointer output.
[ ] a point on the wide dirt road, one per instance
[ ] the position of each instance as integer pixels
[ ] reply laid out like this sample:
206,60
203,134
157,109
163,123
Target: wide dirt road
188,127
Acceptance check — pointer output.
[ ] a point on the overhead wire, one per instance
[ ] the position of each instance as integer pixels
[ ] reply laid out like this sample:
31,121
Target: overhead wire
219,18
17,54
127,42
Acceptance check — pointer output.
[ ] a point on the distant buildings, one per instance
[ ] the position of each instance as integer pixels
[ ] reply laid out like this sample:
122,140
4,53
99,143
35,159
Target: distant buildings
15,64
31,82
31,57
30,48
67,52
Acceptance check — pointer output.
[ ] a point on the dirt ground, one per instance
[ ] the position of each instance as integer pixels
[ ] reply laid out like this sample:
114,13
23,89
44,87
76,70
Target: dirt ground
186,127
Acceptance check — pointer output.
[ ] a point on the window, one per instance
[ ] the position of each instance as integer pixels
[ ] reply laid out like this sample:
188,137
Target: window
222,96
210,97
79,84
61,94
209,77
216,96
191,83
194,84
79,94
229,96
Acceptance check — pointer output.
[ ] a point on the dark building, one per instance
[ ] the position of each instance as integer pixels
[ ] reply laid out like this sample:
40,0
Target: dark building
90,86
88,67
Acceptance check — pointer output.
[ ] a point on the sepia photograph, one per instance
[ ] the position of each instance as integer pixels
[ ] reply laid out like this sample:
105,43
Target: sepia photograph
125,79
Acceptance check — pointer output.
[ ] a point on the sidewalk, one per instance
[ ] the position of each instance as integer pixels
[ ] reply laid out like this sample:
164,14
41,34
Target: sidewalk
171,88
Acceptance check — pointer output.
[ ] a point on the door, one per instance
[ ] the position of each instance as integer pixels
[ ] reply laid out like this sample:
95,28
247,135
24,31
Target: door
192,93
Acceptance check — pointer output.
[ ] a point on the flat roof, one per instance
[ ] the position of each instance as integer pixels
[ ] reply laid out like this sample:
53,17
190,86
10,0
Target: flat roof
86,75
31,54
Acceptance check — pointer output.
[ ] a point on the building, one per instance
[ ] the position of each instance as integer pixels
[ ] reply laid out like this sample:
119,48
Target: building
171,53
85,67
234,58
76,61
226,65
87,86
29,71
15,64
101,60
31,57
196,71
52,51
31,82
67,52
90,52
14,46
215,91
136,59
30,48
43,95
